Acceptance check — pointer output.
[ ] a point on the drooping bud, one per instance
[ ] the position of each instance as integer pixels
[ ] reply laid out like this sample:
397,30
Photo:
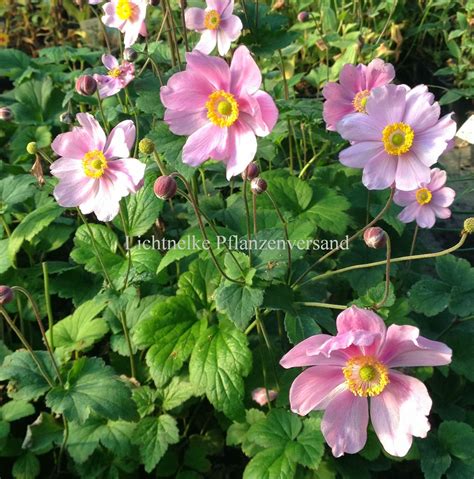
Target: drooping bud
251,172
165,187
32,147
5,113
469,226
66,117
146,146
258,186
6,295
303,17
86,85
262,395
130,55
375,237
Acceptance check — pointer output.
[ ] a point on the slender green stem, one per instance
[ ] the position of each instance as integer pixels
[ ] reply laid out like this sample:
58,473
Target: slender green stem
102,114
247,220
160,164
126,333
129,252
254,213
47,297
413,244
185,30
313,304
387,275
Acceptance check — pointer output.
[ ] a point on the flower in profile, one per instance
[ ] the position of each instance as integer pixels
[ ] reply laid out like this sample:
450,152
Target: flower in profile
398,138
359,363
96,171
351,93
221,108
216,24
119,75
426,203
262,395
128,16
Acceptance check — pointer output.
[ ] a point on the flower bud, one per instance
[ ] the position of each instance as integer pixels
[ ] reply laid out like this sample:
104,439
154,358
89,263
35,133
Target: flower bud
66,117
258,186
86,85
469,226
5,113
375,237
154,3
6,295
251,172
261,396
303,17
146,146
165,187
32,147
130,55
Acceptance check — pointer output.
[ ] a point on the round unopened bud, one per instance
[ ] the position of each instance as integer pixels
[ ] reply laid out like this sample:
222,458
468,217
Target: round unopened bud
258,186
251,172
146,146
86,85
165,187
5,113
375,237
6,295
303,17
469,226
32,147
66,117
130,55
154,3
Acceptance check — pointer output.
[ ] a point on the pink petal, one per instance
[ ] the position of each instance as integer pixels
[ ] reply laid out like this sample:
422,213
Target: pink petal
399,413
404,198
351,78
411,173
425,217
194,18
109,61
232,26
419,113
404,347
223,42
334,91
378,73
73,144
359,319
214,69
107,85
298,356
223,7
315,387
106,202
207,42
379,173
120,140
201,143
131,32
242,148
264,116
359,154
438,179
346,345
244,72
184,122
360,127
335,110
344,424
129,172
440,211
408,214
72,192
67,167
93,129
386,104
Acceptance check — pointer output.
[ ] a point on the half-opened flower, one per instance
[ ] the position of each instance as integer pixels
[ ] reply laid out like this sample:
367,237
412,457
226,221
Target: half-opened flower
359,364
96,171
216,24
221,108
398,138
128,16
118,77
351,93
425,204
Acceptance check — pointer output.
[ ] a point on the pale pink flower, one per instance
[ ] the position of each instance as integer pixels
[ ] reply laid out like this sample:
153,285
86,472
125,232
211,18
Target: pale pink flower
261,395
398,138
118,77
95,2
221,108
216,24
355,84
96,171
128,16
359,363
428,202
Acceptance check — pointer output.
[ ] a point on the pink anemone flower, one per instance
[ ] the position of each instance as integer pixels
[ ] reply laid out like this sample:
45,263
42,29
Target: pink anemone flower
398,138
425,204
117,78
351,93
359,363
128,16
96,171
216,24
221,108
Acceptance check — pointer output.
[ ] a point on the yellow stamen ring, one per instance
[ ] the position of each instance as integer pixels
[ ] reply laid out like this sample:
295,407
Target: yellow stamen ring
365,376
398,138
222,108
114,73
94,164
212,20
423,196
360,100
124,9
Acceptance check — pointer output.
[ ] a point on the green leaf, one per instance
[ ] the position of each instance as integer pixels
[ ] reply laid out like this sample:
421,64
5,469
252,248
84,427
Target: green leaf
171,330
26,380
14,410
177,392
218,362
14,190
311,444
5,261
26,466
13,63
460,338
31,225
434,459
43,434
238,302
290,194
429,296
278,428
91,386
272,463
153,436
301,325
145,398
457,438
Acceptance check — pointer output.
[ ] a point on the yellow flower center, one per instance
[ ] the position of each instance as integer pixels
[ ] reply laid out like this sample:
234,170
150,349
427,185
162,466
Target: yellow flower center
4,38
114,73
94,163
212,20
397,138
360,100
365,376
124,9
423,196
222,108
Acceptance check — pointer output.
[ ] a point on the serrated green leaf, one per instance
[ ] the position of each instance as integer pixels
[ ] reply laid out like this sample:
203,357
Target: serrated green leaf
43,434
457,438
26,466
177,392
272,463
434,459
14,190
16,409
429,296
